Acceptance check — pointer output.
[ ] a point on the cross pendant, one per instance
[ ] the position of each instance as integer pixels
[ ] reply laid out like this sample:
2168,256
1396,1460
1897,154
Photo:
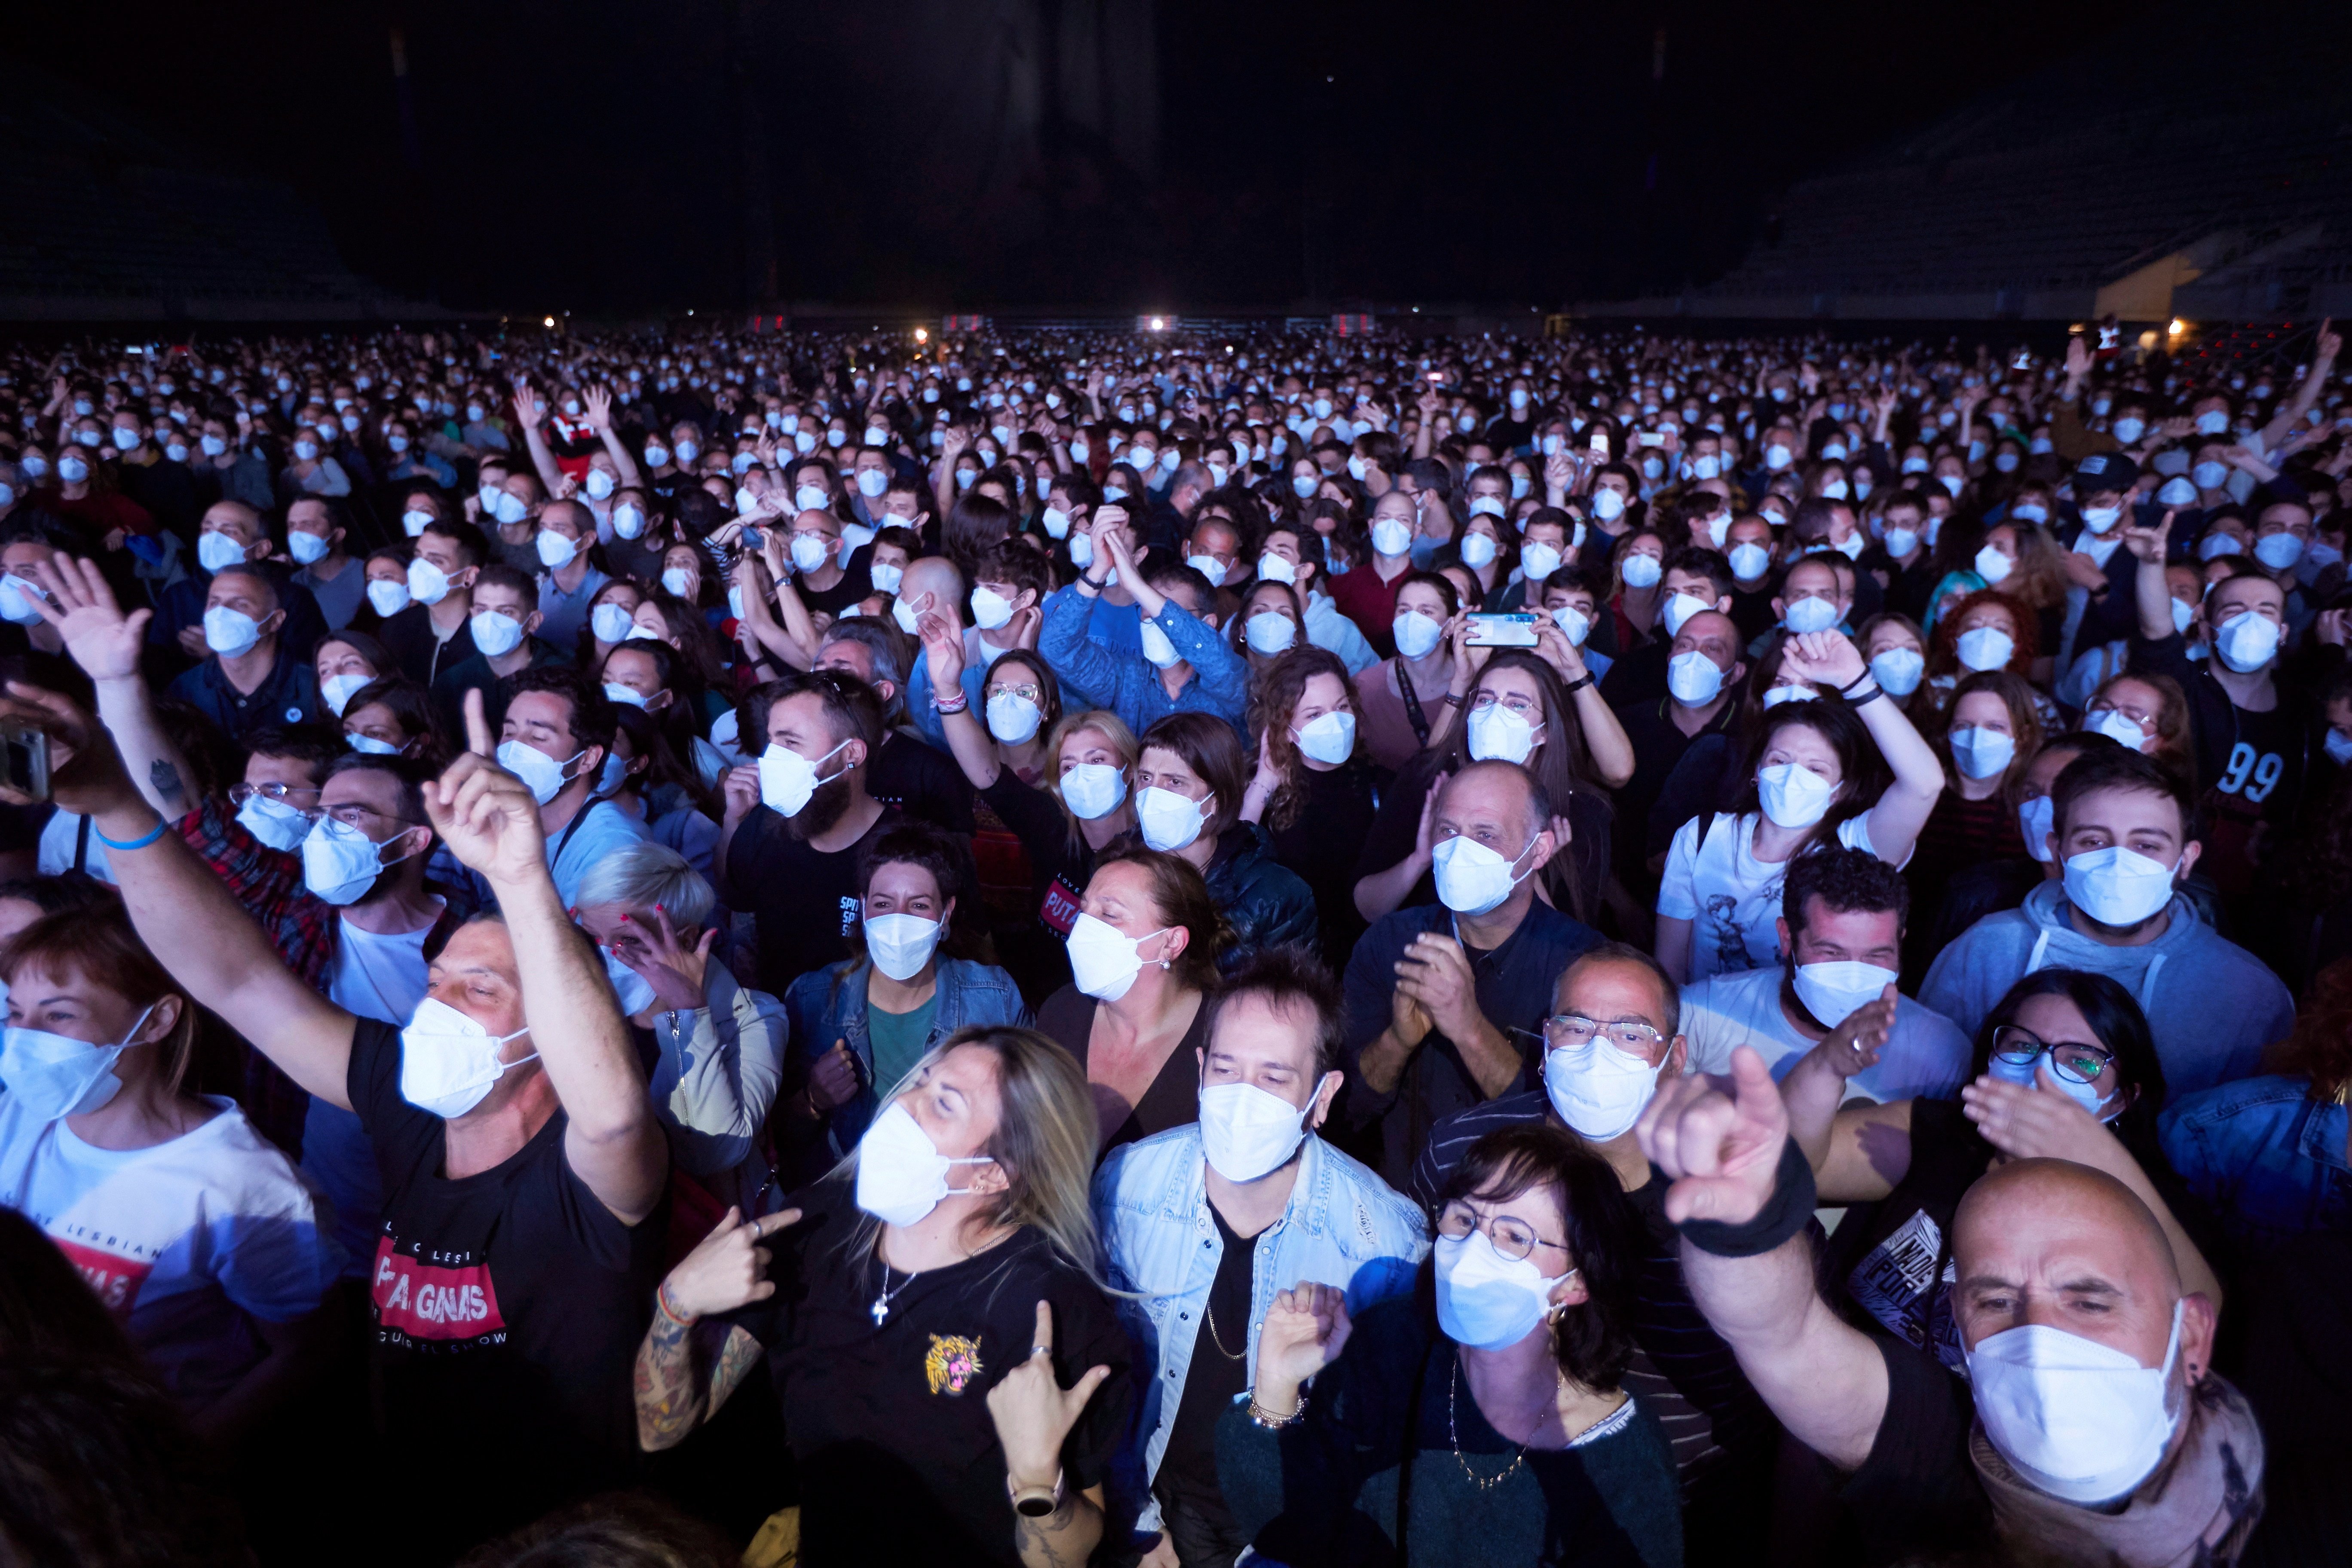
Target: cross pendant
881,1310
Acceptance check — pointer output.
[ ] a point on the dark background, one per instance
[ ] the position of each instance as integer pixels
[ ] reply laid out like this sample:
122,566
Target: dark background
595,154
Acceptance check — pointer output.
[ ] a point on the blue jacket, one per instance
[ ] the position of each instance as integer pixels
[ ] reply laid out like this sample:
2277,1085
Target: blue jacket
2269,1160
829,1004
1129,685
1342,1226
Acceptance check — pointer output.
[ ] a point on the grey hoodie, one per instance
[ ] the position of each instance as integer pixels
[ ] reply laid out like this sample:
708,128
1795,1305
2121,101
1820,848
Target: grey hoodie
2210,1005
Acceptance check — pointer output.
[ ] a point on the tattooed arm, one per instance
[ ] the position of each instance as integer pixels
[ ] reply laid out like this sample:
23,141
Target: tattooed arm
673,1391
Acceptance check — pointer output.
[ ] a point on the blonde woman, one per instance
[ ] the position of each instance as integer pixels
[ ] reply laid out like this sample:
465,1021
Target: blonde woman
953,1380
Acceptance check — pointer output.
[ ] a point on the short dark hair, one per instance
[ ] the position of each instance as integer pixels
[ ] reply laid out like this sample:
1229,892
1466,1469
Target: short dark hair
2116,1023
1287,976
851,707
499,574
409,773
1016,565
1847,881
313,743
591,711
1812,520
2118,767
471,542
1167,575
1711,564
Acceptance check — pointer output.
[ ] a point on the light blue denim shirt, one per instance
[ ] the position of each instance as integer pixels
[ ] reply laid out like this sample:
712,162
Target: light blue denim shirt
2269,1161
1343,1226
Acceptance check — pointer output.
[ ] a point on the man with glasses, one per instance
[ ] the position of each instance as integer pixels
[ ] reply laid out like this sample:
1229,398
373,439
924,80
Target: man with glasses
1612,1035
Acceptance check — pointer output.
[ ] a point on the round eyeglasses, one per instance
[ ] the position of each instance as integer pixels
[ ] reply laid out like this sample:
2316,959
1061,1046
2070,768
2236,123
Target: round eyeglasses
1513,1238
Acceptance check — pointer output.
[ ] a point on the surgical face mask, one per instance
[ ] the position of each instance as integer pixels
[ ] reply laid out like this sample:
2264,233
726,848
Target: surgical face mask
809,552
57,1076
2119,727
901,1175
229,633
600,484
339,863
2097,519
1693,678
1898,669
1810,615
496,633
540,773
2247,641
449,1063
17,596
1641,571
991,610
627,695
816,498
679,583
1093,790
1391,536
1599,1090
2116,887
1573,624
2279,552
1952,483
1104,960
1608,505
1246,1132
1794,796
1328,738
1992,565
216,551
1984,648
900,945
1477,550
427,583
1471,878
1680,607
1980,753
687,451
2212,422
2079,1420
1158,649
1777,695
509,508
1270,632
2024,1075
388,596
2035,819
1170,821
1832,992
1499,735
787,779
1539,561
306,450
1750,561
72,469
2129,428
1415,633
1011,718
1485,1301
1273,568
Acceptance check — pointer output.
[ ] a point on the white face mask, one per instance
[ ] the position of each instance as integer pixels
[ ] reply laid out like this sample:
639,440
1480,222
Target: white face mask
1157,648
1477,550
2079,1420
541,774
55,1076
1832,992
2097,519
1599,1090
1993,566
217,550
1246,1132
1608,505
1011,718
427,583
2035,819
901,1175
1093,790
1270,632
229,632
1693,679
1497,733
449,1063
496,633
1573,624
2116,887
1415,633
991,611
1794,796
1984,648
339,863
1980,753
388,598
555,551
273,823
1104,960
1471,878
1682,606
1810,615
787,779
1642,571
1898,670
2245,642
1485,1301
2119,727
1170,821
900,945
1539,561
610,623
1391,536
304,546
1328,738
509,508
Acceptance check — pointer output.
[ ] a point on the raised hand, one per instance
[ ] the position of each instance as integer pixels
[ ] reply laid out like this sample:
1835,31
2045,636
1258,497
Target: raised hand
728,1268
1305,1330
1853,1046
740,785
486,814
2329,344
675,971
1721,1152
834,1081
1826,659
598,403
2147,545
86,775
80,604
1034,1412
527,408
942,644
2039,1123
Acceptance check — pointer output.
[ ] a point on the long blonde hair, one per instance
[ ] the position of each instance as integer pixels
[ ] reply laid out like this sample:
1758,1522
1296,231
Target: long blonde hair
1045,1142
1112,729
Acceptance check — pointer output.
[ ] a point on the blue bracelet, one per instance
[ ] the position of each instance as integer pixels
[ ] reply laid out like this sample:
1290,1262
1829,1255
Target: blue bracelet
135,844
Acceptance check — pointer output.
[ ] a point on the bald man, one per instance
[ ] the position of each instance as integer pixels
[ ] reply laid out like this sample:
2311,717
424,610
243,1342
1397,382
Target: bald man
177,634
2092,1428
250,679
825,582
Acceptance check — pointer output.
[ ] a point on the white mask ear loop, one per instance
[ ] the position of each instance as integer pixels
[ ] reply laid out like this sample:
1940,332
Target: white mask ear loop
1552,1309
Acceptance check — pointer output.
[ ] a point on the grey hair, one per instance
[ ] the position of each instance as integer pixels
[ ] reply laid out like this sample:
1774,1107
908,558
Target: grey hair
884,644
646,875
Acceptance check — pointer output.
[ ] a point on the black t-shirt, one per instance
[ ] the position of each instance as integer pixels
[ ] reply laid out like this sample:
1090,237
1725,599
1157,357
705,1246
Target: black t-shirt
854,584
898,1460
1892,1259
923,782
508,1307
1218,1371
1918,1496
1321,844
804,901
1172,1098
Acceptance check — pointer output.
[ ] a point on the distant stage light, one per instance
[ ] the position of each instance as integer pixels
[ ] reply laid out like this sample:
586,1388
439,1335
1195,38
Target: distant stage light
1159,323
922,335
2178,326
547,320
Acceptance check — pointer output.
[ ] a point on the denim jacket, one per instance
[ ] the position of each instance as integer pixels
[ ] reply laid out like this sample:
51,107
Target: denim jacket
829,1004
1342,1226
2269,1161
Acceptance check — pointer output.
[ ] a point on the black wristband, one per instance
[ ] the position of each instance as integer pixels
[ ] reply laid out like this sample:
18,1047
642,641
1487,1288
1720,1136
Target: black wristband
1857,681
1873,695
1784,1214
1573,687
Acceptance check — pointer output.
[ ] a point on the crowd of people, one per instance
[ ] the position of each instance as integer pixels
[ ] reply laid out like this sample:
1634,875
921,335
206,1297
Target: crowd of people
1719,950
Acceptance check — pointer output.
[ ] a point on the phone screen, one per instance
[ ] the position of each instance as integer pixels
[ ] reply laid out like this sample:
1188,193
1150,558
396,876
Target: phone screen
1601,442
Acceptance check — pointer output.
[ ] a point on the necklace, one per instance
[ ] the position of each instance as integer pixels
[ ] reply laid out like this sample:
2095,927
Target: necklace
1218,1341
1453,1434
881,1307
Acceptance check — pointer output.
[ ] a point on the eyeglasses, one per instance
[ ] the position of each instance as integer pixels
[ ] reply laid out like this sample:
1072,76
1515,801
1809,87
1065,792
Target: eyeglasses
1513,1238
1522,706
300,798
350,814
2069,1059
1033,695
1568,1031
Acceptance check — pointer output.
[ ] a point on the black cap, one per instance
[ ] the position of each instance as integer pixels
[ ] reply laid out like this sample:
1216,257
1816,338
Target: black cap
2104,471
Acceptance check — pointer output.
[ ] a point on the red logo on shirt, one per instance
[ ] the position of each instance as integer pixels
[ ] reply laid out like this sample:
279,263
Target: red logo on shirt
115,1278
428,1302
1060,909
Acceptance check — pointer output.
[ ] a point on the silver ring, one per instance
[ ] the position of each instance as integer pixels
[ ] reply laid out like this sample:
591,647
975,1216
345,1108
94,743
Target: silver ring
1036,1351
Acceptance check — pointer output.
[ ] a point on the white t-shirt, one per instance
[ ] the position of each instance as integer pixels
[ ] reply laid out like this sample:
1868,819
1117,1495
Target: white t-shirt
1924,1054
1731,898
60,837
378,976
187,1242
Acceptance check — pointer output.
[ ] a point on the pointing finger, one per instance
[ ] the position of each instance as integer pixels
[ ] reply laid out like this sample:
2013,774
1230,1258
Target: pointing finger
477,726
1043,1336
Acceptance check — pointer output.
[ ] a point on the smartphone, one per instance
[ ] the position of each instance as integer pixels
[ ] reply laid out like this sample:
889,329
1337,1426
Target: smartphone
1600,443
1653,439
27,758
1517,630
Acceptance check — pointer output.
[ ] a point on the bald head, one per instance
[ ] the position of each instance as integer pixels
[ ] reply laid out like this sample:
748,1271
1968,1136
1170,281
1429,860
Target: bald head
936,575
1498,792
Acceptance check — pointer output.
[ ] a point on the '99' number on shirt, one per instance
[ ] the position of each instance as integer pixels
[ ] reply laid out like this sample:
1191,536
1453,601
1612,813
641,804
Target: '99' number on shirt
2266,774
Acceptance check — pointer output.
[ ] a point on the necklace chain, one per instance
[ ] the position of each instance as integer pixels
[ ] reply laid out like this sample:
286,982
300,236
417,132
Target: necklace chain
1454,1434
881,1307
1218,1340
